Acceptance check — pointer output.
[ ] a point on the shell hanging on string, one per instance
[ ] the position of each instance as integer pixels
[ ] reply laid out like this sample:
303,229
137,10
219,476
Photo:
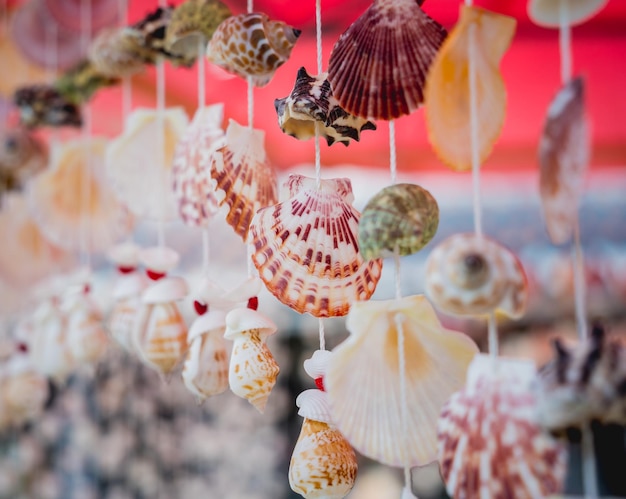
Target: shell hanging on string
311,105
252,45
22,156
115,52
551,14
489,442
72,201
378,67
243,178
402,217
486,36
44,105
252,370
317,366
363,379
306,249
564,154
467,274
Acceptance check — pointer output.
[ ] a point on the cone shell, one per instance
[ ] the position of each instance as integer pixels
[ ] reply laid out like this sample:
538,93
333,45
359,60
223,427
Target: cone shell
115,52
252,45
191,167
487,36
323,465
472,275
43,105
243,179
141,172
548,12
22,156
402,216
75,190
363,379
306,249
489,443
563,158
378,67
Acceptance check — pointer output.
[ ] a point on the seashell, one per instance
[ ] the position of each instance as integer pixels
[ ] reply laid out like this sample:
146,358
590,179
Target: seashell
363,379
159,260
252,45
563,158
136,167
23,390
468,274
378,67
249,288
313,404
317,365
401,217
311,105
252,371
447,94
82,81
115,52
489,443
193,22
22,156
125,256
43,105
243,178
191,179
125,310
306,249
548,12
73,197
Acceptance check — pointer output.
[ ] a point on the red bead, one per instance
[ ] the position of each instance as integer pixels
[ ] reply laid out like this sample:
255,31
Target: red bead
154,275
86,289
126,270
253,303
200,308
22,347
319,382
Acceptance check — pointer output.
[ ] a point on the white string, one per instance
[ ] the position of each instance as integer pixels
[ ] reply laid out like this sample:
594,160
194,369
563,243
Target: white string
322,334
201,74
590,483
250,6
393,167
492,336
318,160
579,283
474,131
565,41
250,84
85,246
160,83
318,34
404,408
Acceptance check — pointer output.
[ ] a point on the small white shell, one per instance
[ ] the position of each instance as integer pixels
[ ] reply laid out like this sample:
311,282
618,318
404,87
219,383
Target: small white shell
317,365
85,333
313,404
159,258
164,290
125,255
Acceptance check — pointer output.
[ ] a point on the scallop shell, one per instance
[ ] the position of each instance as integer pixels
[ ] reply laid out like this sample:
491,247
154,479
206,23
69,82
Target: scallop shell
243,179
447,94
378,67
252,371
311,105
363,379
115,52
317,365
548,12
22,156
306,249
43,105
252,45
489,443
125,310
472,275
401,217
124,255
191,177
141,172
74,196
563,158
159,259
313,404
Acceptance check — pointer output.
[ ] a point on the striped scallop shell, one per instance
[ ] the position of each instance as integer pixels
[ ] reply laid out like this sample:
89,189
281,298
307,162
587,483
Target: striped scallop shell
243,178
563,159
487,36
115,52
553,14
363,379
401,216
85,332
489,443
125,309
468,274
306,249
252,45
378,67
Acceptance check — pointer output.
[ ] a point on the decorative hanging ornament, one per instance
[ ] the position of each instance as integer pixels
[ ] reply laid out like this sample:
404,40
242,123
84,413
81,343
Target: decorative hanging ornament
44,105
554,14
363,380
379,64
116,53
486,35
306,248
252,45
22,156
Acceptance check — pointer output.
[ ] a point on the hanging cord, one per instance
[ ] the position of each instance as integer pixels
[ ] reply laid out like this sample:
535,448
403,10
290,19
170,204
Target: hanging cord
160,118
85,204
126,80
565,42
474,131
250,84
201,74
404,408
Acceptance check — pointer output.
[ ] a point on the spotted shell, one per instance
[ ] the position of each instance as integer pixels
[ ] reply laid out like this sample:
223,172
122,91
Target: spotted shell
489,443
467,274
486,35
402,217
379,64
242,177
553,14
363,379
311,105
564,154
115,52
22,156
252,45
306,249
44,105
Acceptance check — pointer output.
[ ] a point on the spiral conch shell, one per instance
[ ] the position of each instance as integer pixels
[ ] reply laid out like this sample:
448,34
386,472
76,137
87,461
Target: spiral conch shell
486,36
252,45
306,249
553,14
364,378
252,371
469,274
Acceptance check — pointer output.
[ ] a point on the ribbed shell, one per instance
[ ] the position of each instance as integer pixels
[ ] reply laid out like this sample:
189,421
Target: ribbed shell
447,95
306,249
22,156
243,178
402,216
378,67
85,334
125,309
564,154
468,274
313,404
548,12
115,52
317,365
363,379
489,443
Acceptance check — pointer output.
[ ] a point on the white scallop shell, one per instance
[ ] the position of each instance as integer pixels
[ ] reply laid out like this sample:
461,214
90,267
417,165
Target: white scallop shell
317,365
554,13
127,295
125,255
164,290
313,404
159,258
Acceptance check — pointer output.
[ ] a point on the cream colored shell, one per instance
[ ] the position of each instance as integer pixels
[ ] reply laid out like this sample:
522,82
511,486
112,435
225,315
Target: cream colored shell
556,13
